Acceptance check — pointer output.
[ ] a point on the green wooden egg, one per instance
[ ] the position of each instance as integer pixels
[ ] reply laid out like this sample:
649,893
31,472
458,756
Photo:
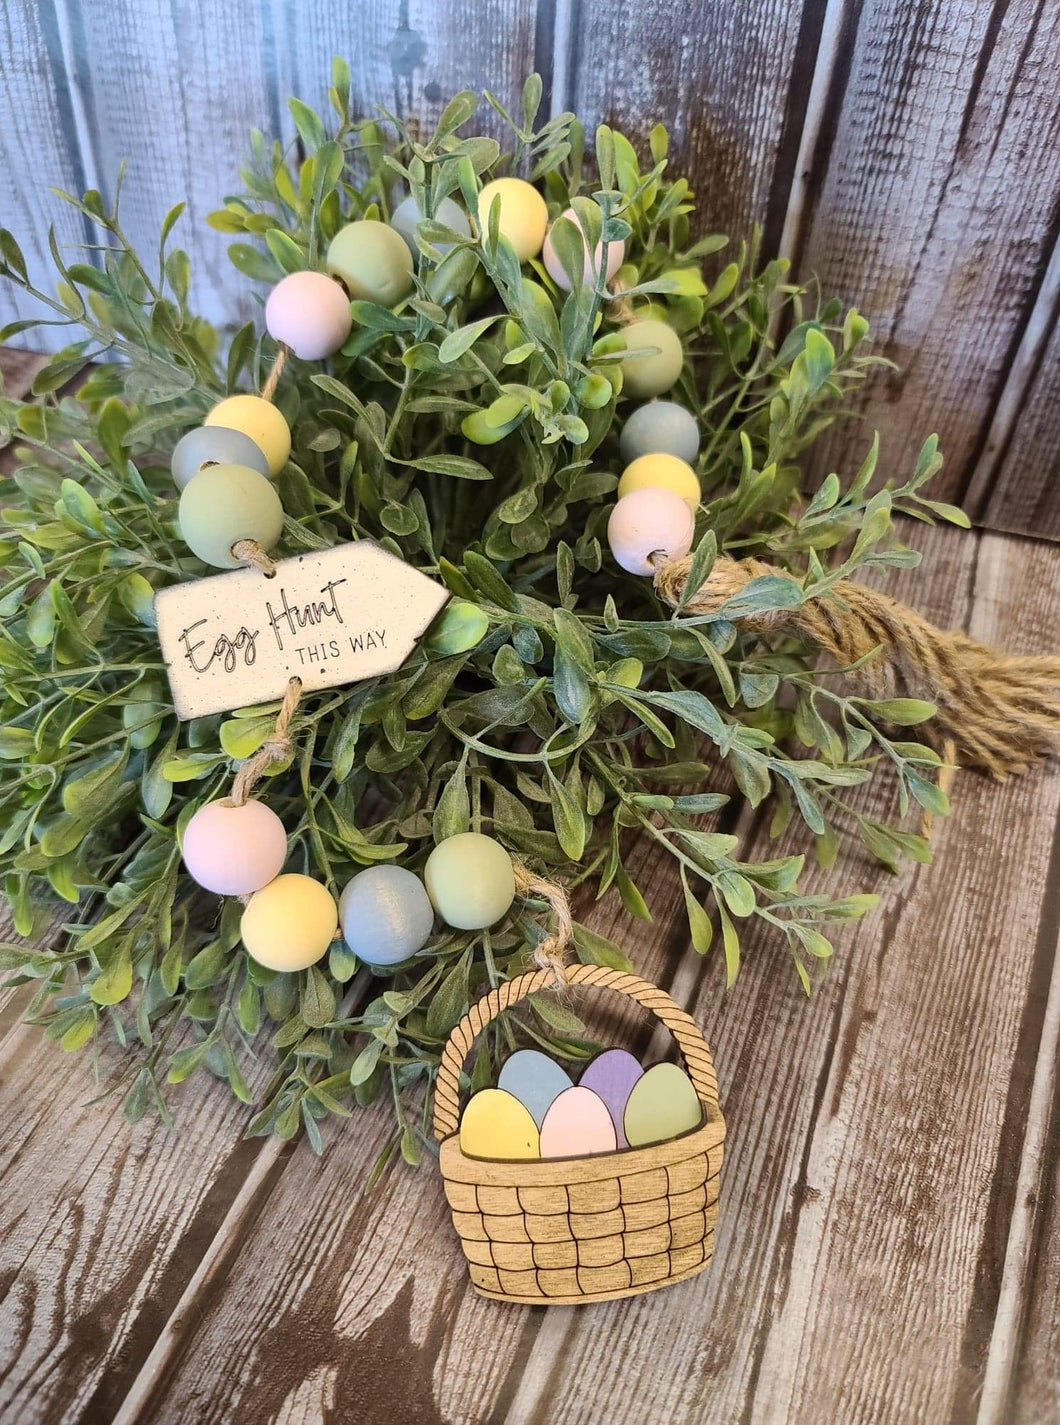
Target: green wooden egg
226,503
662,1104
373,260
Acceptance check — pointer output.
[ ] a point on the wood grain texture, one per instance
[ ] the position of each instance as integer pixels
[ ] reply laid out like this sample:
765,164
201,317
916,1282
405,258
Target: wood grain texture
174,89
409,56
40,149
932,205
1025,490
728,81
866,1197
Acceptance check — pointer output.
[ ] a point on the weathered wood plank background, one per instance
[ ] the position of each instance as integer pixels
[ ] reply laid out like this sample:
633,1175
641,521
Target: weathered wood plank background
907,151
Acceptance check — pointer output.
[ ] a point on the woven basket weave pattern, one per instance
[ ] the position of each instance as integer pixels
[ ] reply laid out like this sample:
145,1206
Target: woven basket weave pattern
580,1229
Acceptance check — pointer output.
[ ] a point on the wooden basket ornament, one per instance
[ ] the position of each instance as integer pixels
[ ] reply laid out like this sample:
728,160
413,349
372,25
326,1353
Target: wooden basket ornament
567,1231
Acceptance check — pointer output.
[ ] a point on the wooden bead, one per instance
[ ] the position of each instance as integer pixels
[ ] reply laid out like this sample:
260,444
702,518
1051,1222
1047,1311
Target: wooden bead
647,522
259,419
661,472
660,426
214,445
386,915
234,850
407,217
373,261
523,214
616,252
310,313
651,375
289,923
470,880
226,503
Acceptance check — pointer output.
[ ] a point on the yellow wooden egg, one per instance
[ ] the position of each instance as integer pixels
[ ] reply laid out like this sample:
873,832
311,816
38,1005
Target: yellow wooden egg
289,923
661,472
496,1125
261,421
523,216
662,1104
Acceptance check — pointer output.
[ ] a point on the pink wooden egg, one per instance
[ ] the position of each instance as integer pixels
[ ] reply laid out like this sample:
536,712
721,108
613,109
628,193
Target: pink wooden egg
310,313
611,1076
234,851
616,252
649,521
577,1123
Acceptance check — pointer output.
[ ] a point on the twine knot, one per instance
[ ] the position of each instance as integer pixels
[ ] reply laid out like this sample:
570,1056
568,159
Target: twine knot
277,747
250,553
551,953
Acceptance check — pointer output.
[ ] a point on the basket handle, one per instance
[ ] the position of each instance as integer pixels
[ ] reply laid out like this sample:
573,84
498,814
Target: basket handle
681,1025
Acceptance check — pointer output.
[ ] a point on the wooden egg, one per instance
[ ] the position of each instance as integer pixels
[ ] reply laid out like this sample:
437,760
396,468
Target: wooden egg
214,445
616,252
226,503
260,420
654,373
386,915
373,261
289,923
662,472
578,1123
611,1076
496,1125
523,214
662,1104
234,850
470,880
535,1080
310,313
407,217
660,426
647,522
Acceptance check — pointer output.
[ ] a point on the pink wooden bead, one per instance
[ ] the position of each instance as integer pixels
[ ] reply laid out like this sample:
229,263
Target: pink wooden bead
616,252
310,313
646,522
234,851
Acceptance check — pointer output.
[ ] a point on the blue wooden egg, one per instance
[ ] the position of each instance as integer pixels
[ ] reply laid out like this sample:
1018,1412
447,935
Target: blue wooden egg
535,1080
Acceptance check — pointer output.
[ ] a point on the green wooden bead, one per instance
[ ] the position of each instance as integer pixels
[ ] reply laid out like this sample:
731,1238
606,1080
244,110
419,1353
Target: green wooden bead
226,503
651,375
470,880
373,261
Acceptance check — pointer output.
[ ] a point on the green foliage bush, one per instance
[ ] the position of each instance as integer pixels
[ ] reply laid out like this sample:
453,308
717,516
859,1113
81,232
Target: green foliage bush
556,704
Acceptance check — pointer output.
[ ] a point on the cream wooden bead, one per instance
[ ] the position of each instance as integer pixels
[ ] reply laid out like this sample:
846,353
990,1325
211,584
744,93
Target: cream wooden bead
523,215
259,419
373,261
661,472
654,373
470,880
647,522
289,923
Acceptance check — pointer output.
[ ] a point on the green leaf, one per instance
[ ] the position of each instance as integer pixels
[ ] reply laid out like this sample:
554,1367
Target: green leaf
318,999
113,983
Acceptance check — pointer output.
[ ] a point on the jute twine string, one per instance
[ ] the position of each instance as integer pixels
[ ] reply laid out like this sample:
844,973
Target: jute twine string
997,711
272,380
551,954
276,747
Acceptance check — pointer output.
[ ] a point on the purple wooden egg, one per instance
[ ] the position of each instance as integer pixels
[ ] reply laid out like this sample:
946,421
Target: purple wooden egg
611,1076
234,851
310,313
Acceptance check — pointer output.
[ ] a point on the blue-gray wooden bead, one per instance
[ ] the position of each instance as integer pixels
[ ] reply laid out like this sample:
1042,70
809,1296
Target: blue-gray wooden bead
386,915
214,445
660,428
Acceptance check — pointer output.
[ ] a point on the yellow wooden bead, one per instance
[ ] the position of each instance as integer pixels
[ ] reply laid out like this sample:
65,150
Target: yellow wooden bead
289,923
523,215
259,419
661,472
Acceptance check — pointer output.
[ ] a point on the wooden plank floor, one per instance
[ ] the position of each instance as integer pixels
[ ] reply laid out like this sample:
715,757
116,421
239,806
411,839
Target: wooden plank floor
889,1244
